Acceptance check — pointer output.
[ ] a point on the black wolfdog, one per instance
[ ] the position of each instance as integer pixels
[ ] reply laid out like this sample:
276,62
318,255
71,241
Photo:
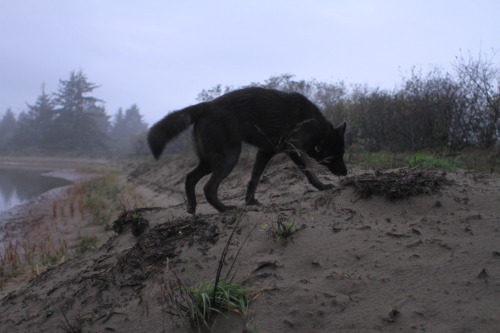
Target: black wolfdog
271,120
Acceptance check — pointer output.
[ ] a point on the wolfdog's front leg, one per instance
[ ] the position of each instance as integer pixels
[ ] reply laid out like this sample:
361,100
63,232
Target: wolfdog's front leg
300,161
261,161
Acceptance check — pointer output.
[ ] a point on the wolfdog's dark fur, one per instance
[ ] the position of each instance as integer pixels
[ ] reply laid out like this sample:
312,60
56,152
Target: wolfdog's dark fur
271,120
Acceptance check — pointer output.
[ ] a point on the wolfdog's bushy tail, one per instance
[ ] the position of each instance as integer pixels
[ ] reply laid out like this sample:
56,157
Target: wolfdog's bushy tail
171,126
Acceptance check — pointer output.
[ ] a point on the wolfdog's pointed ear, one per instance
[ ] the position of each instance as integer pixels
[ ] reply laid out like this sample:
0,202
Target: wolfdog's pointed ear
341,128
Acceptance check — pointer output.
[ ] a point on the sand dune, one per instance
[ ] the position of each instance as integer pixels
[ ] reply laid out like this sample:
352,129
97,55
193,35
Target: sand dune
425,263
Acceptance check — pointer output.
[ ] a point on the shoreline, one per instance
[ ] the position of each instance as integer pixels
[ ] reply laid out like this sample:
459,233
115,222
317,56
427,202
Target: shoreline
49,167
49,219
50,162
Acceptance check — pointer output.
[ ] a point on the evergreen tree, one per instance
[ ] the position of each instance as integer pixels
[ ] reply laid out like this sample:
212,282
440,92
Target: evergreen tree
103,123
118,121
117,138
38,124
118,132
81,122
24,135
126,127
7,129
133,120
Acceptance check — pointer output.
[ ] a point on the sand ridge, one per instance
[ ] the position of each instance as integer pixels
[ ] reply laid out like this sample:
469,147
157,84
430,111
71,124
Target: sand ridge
427,263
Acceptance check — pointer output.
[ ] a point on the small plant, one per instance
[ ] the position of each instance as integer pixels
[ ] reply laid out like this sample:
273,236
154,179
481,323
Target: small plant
48,312
284,229
139,224
134,218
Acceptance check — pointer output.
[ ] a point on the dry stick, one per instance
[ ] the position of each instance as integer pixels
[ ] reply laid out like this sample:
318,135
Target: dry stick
237,253
70,327
221,261
283,141
176,281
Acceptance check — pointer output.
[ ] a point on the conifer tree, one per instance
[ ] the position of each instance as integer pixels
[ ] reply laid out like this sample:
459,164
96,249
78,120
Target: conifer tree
80,120
7,129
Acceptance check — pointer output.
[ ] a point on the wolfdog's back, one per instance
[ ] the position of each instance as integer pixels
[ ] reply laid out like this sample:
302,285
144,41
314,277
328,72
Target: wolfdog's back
260,112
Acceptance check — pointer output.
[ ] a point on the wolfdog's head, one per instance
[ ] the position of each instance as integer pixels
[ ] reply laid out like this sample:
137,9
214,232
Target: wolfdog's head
330,151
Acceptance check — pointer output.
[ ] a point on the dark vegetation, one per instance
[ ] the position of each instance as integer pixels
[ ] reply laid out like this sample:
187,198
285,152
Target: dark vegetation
435,111
428,111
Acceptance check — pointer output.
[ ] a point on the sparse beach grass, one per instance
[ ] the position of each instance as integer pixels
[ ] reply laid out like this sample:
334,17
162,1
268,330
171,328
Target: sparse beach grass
71,223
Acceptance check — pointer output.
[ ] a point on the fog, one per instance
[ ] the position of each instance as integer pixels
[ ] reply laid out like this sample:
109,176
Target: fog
160,55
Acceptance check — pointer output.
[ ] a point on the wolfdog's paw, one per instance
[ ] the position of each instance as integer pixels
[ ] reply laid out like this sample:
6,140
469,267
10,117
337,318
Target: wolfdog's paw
228,208
190,209
326,187
252,202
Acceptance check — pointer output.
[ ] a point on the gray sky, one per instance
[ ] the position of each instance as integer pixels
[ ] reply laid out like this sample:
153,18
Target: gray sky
161,54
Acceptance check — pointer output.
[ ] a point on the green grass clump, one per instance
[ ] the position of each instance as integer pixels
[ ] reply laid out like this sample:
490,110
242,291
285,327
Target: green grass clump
284,230
426,161
210,299
200,305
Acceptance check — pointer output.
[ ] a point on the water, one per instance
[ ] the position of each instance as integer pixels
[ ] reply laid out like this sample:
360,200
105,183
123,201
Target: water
18,186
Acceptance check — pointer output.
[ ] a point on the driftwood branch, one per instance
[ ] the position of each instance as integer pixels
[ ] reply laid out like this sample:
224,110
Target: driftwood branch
397,185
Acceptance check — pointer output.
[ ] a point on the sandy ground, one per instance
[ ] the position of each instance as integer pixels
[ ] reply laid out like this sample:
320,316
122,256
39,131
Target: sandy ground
429,263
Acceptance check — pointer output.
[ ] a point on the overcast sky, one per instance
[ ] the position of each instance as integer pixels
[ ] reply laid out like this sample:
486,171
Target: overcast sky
161,54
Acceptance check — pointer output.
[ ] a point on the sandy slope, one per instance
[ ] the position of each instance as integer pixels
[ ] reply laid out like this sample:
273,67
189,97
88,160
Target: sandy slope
423,264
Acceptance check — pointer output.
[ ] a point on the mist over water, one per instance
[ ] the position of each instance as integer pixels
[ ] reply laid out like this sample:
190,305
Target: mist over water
18,186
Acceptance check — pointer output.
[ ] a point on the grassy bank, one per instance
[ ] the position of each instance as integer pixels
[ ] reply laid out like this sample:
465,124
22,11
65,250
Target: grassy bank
72,223
473,160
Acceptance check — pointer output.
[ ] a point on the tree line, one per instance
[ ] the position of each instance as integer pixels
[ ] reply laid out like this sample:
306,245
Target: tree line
427,111
433,110
71,119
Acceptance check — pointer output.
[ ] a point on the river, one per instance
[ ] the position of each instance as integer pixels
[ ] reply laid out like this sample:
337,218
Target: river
18,186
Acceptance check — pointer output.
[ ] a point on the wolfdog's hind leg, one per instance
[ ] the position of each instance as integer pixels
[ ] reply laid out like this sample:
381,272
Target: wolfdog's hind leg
221,171
192,179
